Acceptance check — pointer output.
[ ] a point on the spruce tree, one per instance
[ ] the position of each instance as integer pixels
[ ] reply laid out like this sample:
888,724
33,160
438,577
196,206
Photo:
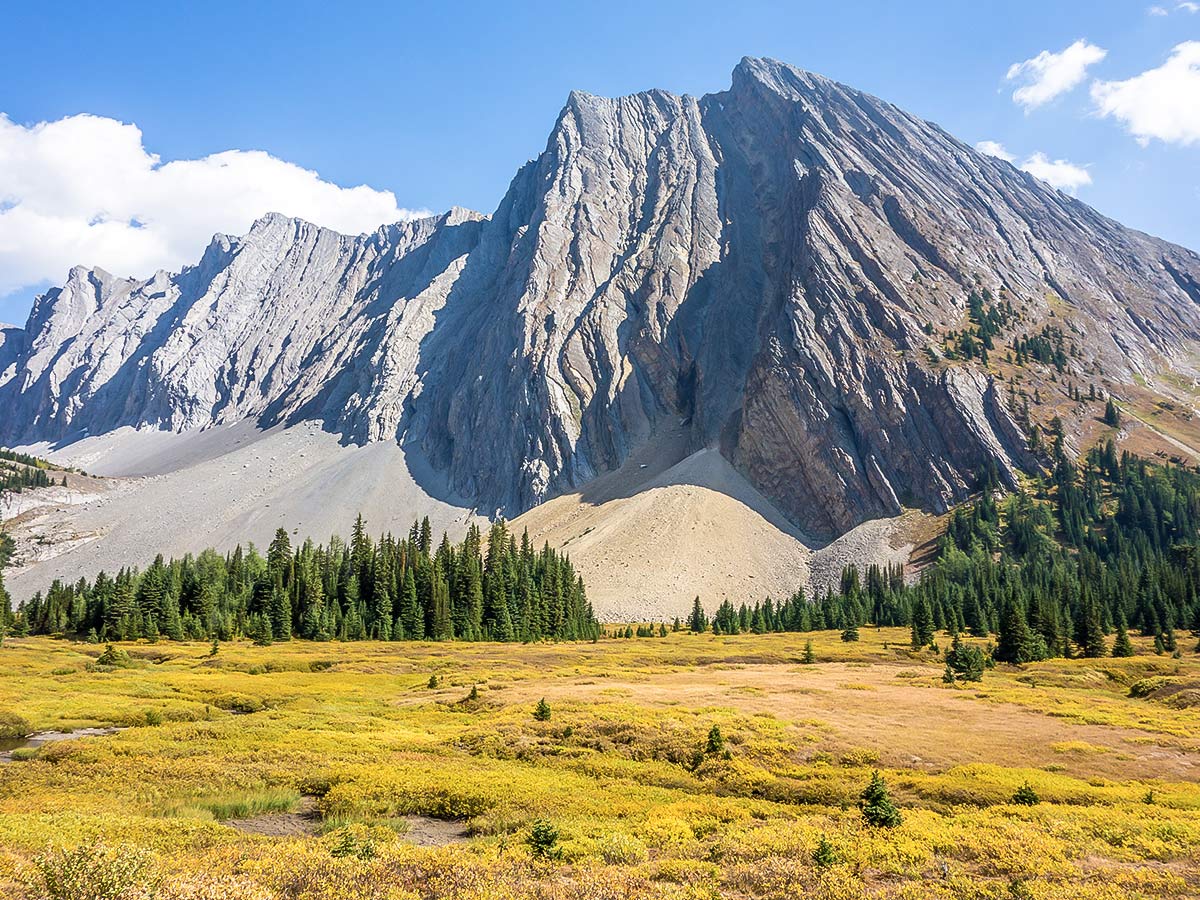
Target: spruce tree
281,615
922,624
1026,795
1112,415
1122,646
1015,642
697,621
715,745
1090,631
824,856
809,656
876,804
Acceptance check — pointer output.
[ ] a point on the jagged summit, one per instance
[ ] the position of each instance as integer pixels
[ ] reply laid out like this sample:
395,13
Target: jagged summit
775,265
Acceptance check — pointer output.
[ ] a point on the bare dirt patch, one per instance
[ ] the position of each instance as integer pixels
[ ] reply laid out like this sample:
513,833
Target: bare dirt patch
304,820
426,832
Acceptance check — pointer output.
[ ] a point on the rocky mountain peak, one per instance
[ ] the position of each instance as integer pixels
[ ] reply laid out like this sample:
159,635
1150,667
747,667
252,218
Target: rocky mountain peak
775,269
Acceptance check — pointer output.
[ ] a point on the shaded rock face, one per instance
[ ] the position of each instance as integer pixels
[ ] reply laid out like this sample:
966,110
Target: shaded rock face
759,264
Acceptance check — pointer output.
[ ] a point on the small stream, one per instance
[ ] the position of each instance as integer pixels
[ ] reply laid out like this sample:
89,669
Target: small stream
41,738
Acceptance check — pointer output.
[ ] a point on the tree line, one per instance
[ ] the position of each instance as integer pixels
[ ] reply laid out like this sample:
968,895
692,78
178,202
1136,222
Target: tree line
1086,552
385,589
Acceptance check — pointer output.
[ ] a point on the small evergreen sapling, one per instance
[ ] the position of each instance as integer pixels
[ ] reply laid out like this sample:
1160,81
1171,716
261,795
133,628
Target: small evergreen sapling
876,804
825,856
809,656
964,661
543,840
1026,795
541,712
715,745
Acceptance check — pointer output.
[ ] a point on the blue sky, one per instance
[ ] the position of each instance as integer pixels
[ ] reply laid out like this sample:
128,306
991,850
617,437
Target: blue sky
439,104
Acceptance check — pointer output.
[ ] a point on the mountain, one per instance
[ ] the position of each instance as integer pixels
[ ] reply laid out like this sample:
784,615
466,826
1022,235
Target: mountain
778,274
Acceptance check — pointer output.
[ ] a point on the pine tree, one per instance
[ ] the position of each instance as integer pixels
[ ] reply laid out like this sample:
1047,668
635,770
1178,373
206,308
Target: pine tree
809,656
1122,646
1015,642
411,615
697,621
541,712
922,625
715,745
1026,795
964,661
1090,631
850,634
876,805
281,614
1112,415
824,856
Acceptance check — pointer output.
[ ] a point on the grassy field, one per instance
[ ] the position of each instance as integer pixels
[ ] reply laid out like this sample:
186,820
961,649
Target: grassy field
319,771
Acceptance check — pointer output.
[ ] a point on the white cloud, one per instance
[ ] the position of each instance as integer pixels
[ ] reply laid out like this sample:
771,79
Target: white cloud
1157,11
85,191
993,148
1058,173
1048,75
1161,103
1189,6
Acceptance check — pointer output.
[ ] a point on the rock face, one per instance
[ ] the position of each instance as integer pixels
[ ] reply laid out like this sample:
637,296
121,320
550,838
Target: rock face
764,265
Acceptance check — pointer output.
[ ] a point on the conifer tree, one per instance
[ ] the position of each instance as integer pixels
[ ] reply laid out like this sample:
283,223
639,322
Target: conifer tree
1122,646
411,616
1090,631
697,621
1016,643
715,744
922,625
824,856
1026,796
1112,415
876,804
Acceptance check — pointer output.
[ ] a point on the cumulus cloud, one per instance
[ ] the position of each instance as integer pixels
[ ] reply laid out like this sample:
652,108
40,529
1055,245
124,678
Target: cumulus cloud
1189,6
1161,103
1057,173
1048,75
84,190
993,148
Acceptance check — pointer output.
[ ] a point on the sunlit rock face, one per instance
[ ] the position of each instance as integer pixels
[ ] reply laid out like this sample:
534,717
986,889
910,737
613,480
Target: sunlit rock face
761,264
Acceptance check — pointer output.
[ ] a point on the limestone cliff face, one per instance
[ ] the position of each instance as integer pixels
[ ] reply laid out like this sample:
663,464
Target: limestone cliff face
291,319
761,264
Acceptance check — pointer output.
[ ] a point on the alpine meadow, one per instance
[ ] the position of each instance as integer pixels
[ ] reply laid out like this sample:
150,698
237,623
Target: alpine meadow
774,496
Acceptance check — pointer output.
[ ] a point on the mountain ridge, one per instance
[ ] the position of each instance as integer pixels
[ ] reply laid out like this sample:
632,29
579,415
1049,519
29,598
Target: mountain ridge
781,266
